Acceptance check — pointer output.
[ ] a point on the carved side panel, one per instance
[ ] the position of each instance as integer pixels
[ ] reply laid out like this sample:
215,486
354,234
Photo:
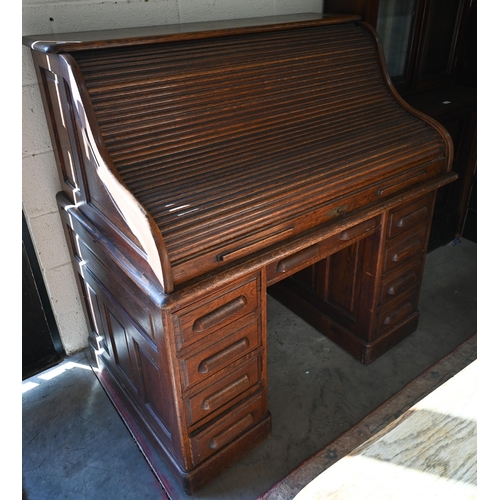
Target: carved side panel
132,356
82,159
62,132
126,333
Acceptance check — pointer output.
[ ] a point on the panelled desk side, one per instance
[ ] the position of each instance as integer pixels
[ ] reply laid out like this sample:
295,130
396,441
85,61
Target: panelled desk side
183,354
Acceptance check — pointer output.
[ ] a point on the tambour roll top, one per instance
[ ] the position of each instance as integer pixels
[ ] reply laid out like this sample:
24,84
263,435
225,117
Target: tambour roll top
235,142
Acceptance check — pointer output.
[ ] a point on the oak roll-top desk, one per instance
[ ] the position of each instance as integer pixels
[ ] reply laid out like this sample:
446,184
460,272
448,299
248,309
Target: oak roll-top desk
202,163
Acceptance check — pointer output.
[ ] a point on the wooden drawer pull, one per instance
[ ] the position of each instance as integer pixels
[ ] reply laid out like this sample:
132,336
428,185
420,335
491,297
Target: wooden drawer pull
400,313
410,219
410,250
220,314
296,259
230,433
402,284
226,393
355,231
219,358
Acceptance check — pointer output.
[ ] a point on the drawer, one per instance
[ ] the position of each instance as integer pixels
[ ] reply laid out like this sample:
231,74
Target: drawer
405,247
217,392
400,280
409,215
398,311
227,428
201,319
203,364
290,264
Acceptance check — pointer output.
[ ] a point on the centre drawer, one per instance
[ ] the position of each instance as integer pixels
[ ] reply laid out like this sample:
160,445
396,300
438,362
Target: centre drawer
286,266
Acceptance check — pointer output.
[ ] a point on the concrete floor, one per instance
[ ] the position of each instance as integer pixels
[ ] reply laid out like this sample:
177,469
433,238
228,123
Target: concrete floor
75,445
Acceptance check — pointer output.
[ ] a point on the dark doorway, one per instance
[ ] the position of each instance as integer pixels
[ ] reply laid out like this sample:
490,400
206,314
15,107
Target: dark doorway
42,346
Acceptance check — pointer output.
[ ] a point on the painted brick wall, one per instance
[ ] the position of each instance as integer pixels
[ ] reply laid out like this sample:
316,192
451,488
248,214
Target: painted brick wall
40,181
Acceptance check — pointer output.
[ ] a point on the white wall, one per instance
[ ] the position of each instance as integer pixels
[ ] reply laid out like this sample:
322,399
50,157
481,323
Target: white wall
40,181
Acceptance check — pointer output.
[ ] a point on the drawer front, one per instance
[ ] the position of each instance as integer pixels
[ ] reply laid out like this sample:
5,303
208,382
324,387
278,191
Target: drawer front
403,249
221,391
409,215
291,264
203,364
400,280
227,428
398,311
218,311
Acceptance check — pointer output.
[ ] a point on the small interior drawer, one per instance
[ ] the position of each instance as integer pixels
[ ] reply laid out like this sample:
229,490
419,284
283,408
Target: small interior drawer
217,311
203,364
209,397
227,428
409,215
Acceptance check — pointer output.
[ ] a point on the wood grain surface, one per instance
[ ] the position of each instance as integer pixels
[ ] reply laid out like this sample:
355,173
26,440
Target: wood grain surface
429,452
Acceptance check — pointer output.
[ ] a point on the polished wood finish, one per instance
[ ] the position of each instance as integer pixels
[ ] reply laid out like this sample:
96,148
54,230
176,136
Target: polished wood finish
202,166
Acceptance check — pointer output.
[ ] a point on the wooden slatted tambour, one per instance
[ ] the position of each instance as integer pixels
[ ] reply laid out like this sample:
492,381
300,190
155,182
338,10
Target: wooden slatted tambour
202,164
219,139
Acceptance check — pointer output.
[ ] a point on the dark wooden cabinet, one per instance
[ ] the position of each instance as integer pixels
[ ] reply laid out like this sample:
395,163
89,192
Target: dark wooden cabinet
430,51
454,106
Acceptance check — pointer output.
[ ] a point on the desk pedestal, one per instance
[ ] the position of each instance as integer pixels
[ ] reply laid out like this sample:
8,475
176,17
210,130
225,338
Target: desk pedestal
188,371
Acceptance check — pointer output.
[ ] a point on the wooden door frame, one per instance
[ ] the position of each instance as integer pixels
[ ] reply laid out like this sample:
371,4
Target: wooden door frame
50,328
